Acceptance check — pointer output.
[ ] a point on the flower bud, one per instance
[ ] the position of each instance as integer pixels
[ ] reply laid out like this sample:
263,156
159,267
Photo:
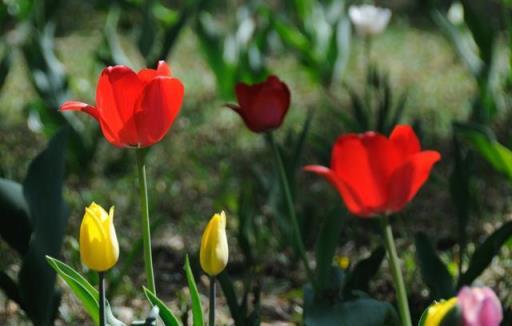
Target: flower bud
99,249
438,311
479,307
214,246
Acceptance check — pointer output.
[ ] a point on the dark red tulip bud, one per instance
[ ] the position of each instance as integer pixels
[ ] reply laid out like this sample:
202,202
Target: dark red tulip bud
262,106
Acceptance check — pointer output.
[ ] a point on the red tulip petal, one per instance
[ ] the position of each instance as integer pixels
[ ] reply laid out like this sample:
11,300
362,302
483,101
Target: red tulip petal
116,96
364,163
352,201
267,111
146,74
408,179
244,95
163,69
79,106
83,107
158,108
405,140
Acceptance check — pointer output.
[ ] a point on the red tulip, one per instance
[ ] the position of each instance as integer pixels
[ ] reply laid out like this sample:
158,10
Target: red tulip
262,106
376,175
134,109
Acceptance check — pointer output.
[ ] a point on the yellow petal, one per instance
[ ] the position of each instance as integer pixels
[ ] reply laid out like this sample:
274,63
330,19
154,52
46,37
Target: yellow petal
99,249
437,311
214,252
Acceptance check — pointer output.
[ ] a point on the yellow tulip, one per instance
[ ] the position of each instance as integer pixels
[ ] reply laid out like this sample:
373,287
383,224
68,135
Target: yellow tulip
99,249
437,311
214,246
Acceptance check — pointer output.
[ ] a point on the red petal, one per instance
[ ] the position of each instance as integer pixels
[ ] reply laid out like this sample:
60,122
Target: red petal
147,74
408,179
352,201
79,106
117,93
158,108
244,95
364,163
163,69
405,140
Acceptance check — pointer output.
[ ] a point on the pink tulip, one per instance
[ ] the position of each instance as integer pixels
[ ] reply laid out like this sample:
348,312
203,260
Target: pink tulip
479,307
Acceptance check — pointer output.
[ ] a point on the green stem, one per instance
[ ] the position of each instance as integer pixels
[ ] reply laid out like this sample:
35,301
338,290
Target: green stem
299,245
101,276
211,320
146,231
367,50
394,265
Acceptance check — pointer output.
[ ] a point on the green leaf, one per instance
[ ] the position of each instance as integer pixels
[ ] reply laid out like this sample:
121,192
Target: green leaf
197,310
434,272
361,312
484,141
42,189
80,287
359,278
460,191
326,247
84,291
10,288
16,227
229,293
292,37
485,253
461,43
165,313
5,64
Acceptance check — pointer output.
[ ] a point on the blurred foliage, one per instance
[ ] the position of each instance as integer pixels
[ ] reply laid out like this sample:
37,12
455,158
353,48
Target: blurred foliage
235,54
34,219
319,32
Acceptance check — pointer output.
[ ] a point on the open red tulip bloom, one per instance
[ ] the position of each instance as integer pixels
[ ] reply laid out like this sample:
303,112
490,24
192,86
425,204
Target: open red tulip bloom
262,106
134,109
376,175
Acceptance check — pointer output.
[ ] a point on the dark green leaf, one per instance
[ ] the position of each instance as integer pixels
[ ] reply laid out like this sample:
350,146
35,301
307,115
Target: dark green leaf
326,247
10,288
16,227
359,278
42,189
231,299
434,272
360,312
485,253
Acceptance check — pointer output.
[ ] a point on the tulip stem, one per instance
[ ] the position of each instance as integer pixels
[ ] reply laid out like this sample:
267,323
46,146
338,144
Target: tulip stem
394,265
101,277
285,185
211,320
146,231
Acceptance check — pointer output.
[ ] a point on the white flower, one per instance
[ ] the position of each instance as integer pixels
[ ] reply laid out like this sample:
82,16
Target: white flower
456,13
369,20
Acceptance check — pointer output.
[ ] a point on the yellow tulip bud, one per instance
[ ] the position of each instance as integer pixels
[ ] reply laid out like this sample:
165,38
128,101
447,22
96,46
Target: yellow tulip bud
437,311
214,246
99,249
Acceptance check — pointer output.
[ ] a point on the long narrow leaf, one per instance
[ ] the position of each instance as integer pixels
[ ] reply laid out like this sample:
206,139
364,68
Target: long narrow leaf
81,288
231,299
165,313
485,253
197,309
433,270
